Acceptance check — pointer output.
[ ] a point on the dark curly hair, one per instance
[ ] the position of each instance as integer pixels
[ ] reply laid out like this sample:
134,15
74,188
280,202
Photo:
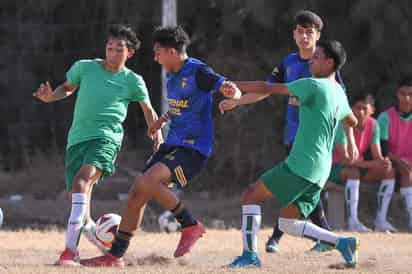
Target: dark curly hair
125,32
172,37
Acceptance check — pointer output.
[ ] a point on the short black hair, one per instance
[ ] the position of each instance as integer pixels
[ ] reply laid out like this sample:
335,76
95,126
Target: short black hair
172,37
368,98
124,32
334,49
307,18
405,80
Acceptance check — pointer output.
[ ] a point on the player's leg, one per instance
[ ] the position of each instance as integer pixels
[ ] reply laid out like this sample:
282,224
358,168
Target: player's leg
290,223
251,219
405,176
351,176
89,228
386,177
83,180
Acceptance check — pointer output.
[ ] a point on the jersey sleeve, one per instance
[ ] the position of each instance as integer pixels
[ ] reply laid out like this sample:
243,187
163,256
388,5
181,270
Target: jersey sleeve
208,80
277,75
303,89
383,121
340,137
376,137
74,74
138,89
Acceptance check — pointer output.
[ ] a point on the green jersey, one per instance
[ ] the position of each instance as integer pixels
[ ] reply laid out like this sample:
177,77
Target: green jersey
102,100
323,103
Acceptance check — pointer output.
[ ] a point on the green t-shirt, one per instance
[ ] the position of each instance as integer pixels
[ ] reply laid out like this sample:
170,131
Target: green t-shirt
383,120
323,103
340,138
102,100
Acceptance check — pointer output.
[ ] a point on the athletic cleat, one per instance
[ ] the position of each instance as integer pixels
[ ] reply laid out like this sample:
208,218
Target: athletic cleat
247,259
107,260
272,246
356,226
349,248
68,258
188,238
384,226
322,247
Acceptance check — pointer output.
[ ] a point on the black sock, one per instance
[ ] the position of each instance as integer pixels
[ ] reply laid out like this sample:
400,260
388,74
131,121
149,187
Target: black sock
277,233
183,216
318,216
120,244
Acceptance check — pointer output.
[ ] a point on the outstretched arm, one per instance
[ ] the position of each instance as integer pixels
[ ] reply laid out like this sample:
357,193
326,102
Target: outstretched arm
46,94
246,99
262,87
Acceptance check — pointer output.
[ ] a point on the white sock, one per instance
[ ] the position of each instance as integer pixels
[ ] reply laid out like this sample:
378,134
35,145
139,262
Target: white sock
251,218
306,229
76,219
384,198
406,192
352,198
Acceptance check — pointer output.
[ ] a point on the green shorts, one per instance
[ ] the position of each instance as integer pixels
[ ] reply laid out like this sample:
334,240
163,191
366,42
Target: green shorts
292,189
100,153
336,173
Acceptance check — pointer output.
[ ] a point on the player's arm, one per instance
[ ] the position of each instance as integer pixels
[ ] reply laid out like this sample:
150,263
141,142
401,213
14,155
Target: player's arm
151,119
261,87
245,99
46,93
349,122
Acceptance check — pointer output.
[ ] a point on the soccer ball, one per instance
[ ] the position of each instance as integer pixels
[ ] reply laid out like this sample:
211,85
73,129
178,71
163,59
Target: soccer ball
106,228
168,222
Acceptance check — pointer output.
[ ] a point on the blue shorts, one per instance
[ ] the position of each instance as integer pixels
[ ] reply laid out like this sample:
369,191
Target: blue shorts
184,163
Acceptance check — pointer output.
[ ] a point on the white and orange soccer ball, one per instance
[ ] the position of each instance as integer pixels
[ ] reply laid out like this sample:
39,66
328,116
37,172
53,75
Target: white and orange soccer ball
106,228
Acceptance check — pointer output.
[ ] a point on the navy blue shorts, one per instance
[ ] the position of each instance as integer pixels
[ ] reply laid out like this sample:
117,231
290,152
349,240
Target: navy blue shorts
184,163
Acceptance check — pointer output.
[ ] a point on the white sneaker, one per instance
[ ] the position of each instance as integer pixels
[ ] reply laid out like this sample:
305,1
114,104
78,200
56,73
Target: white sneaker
357,226
384,226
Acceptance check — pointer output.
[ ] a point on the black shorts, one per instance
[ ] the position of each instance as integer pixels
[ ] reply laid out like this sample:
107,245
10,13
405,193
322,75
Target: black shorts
184,163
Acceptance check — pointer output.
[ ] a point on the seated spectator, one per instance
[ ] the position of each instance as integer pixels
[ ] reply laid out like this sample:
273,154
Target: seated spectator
376,169
396,139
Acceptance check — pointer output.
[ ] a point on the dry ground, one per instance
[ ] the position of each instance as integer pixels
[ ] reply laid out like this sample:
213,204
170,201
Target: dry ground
31,251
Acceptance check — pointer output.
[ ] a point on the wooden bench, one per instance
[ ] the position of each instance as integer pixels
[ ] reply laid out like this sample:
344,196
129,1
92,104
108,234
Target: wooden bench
335,202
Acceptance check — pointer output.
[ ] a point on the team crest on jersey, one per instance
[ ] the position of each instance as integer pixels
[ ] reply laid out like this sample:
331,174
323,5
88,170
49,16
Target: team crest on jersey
184,82
275,70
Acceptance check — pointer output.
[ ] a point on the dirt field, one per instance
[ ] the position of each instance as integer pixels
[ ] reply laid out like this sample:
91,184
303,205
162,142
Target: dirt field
34,252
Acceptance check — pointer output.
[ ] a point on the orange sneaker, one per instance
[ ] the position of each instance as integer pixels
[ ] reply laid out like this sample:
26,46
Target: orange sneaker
188,238
107,260
68,258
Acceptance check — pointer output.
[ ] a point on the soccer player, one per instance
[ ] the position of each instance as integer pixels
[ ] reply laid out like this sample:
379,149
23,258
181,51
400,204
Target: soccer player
396,135
190,88
306,33
298,181
105,89
379,168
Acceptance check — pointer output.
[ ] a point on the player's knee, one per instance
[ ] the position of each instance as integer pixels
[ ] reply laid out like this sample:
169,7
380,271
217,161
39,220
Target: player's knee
247,196
81,183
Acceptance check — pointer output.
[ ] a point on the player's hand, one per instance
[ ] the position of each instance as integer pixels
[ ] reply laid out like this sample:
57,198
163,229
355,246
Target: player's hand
44,92
381,164
353,153
157,140
155,127
227,104
230,90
